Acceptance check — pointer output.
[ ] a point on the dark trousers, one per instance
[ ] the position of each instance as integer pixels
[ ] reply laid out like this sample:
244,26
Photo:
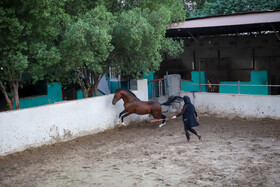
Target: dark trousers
187,129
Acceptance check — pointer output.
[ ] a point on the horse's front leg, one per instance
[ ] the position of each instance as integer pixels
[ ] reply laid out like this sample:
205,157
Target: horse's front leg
119,120
122,113
125,115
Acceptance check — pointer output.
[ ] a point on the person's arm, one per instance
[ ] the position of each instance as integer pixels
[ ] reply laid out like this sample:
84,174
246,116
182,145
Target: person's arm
195,113
181,113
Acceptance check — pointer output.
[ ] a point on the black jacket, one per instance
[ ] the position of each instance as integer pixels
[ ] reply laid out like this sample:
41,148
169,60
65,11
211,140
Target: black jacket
189,113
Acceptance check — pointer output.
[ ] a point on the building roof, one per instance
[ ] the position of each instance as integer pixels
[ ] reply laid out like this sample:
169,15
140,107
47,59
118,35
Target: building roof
227,24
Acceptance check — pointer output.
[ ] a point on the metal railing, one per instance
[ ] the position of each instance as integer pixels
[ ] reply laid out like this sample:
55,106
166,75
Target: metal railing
157,88
238,85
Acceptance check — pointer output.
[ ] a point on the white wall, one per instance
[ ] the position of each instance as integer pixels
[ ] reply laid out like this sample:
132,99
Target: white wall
237,105
62,121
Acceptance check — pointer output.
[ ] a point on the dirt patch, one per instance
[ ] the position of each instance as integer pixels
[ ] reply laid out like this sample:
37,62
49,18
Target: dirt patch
234,152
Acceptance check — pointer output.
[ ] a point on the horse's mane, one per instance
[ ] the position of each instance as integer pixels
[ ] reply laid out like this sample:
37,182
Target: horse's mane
129,92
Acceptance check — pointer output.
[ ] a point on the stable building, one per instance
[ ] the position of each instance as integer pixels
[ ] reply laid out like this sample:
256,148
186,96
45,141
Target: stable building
238,53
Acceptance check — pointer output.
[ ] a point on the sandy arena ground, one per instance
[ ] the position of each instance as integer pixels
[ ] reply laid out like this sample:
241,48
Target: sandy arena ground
234,152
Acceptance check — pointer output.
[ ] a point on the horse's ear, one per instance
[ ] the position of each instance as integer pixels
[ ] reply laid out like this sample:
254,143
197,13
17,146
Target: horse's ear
117,90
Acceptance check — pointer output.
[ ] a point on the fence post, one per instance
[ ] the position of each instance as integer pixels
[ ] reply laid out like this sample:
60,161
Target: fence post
174,84
199,74
153,90
238,87
160,88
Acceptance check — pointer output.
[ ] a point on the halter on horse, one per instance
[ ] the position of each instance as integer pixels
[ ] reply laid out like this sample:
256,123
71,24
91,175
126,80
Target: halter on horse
132,104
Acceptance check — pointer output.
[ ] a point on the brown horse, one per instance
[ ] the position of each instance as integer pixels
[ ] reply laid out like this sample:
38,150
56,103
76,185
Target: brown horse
132,104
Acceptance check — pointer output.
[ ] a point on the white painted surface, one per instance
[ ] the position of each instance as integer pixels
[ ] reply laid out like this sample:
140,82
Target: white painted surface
62,121
174,84
237,105
48,124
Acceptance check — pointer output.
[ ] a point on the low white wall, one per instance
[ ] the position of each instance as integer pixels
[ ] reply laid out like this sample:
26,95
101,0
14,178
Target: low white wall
62,121
236,105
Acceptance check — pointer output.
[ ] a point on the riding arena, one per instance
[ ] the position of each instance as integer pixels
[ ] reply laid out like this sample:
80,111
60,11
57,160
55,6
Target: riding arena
233,150
132,133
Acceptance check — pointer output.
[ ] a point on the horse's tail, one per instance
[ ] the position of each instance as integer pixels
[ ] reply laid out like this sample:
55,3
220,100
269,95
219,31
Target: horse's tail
172,99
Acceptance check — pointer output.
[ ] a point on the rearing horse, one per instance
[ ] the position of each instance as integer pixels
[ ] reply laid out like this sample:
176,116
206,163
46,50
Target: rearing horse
132,104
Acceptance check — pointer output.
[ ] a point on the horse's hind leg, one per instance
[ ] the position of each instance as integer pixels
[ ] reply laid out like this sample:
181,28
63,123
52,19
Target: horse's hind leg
163,122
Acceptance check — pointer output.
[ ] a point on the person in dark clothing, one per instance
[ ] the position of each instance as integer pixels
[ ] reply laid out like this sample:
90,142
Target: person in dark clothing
190,118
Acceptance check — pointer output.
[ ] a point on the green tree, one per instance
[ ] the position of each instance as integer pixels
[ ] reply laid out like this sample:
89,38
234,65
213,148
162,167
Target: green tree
85,47
220,7
193,5
13,60
26,43
132,40
81,39
139,40
139,34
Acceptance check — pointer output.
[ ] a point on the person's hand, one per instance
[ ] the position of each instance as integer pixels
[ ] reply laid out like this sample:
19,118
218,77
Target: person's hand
174,117
197,118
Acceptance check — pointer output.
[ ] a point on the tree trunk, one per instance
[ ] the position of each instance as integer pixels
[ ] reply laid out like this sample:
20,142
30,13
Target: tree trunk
91,90
15,91
95,89
8,100
97,79
79,75
85,92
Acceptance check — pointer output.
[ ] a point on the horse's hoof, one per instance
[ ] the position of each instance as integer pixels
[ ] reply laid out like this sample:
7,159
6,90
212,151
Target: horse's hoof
119,121
124,124
161,125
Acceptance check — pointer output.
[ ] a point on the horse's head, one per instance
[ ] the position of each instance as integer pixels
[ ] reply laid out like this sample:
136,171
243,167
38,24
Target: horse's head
117,97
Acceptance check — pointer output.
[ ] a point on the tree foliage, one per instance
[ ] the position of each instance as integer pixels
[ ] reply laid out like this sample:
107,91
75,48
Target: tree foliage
139,35
192,6
86,45
131,38
27,43
78,40
220,7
